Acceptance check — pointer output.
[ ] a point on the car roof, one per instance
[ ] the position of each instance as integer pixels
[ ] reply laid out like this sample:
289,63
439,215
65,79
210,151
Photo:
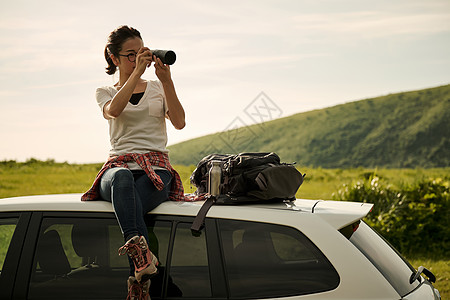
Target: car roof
337,213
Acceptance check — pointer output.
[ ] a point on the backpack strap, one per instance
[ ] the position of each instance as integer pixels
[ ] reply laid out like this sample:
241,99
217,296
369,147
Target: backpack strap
199,221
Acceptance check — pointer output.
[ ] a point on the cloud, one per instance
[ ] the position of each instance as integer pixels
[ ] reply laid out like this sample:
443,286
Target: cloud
372,24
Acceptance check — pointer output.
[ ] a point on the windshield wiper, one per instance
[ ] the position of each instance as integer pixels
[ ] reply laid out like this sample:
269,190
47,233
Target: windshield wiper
426,272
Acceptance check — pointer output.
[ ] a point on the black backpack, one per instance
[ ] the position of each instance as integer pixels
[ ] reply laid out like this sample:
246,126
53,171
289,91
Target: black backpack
246,178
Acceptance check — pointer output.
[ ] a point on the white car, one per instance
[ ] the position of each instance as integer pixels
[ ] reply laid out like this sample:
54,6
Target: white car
57,247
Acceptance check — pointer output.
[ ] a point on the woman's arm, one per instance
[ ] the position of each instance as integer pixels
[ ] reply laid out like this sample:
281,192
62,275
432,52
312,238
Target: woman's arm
117,104
175,109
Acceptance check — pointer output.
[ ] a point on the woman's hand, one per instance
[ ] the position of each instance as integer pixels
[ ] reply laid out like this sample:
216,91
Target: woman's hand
162,71
144,59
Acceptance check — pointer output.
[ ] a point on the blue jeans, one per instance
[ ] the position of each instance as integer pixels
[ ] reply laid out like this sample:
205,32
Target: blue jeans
133,194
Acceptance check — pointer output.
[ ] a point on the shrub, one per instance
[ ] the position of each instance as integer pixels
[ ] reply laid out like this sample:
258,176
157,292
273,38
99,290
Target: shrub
414,218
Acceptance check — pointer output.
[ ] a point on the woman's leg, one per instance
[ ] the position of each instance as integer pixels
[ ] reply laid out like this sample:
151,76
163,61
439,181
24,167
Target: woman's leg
147,198
117,185
150,197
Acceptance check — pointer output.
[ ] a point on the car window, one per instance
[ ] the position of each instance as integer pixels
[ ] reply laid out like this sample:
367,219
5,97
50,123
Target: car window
7,227
189,270
386,259
81,255
266,260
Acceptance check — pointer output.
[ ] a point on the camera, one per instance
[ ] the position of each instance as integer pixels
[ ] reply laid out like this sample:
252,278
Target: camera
167,57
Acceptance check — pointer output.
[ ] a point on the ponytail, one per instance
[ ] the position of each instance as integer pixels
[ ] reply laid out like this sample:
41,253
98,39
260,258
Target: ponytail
111,68
114,45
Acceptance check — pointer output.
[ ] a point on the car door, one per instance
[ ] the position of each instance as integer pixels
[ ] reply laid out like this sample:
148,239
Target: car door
266,260
68,255
192,266
71,255
12,233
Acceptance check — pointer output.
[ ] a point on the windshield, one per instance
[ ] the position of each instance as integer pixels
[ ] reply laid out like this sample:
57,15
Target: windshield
386,259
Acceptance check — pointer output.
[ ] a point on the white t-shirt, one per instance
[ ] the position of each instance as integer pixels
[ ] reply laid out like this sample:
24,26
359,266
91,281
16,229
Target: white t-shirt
139,128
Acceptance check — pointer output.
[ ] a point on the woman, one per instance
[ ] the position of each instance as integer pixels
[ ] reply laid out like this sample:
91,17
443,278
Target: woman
137,176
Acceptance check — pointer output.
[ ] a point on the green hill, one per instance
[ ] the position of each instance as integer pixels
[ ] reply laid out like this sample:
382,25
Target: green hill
404,130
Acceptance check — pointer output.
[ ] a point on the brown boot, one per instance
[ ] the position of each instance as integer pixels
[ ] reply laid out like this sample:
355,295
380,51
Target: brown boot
136,290
145,262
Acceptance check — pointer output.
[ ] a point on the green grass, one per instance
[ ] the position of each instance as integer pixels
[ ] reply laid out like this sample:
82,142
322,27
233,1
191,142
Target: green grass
34,177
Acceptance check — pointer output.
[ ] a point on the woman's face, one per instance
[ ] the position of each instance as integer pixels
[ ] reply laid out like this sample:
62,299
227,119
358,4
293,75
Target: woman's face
130,46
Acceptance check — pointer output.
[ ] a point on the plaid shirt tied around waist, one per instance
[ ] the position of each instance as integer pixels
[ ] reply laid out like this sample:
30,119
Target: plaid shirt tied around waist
145,161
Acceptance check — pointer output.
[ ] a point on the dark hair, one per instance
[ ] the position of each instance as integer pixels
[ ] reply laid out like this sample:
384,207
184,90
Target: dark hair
115,42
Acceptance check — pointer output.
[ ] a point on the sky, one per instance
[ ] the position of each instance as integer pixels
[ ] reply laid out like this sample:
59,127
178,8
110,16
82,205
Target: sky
238,62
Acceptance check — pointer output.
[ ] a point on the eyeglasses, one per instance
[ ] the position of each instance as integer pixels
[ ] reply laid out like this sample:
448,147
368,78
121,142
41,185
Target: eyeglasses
131,57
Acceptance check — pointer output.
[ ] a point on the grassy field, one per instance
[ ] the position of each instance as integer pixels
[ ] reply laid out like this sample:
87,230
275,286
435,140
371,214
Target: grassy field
35,177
